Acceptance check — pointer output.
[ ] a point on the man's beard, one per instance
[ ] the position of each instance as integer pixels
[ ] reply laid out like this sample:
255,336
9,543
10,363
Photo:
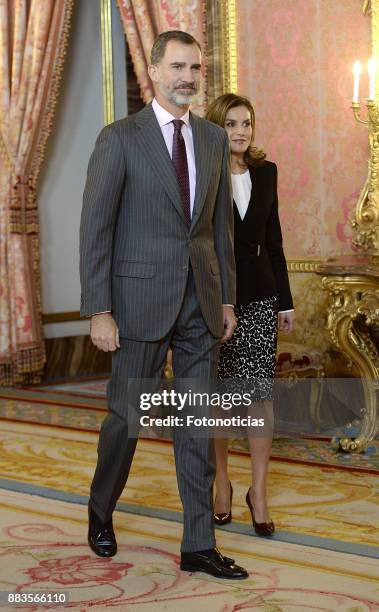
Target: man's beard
179,99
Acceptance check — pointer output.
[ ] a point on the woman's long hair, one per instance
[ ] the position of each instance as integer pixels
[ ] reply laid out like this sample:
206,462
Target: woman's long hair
217,112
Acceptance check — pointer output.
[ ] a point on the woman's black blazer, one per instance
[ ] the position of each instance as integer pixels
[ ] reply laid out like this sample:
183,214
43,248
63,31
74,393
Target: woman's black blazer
260,262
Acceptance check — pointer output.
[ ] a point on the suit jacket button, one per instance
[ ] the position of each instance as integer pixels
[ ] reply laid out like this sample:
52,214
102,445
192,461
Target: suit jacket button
185,268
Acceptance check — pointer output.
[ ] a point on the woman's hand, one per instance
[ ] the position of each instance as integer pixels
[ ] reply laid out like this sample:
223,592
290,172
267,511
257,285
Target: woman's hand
286,321
230,322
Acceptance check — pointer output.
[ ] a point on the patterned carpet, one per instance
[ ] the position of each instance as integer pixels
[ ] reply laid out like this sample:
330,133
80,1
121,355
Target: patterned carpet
305,501
81,405
43,547
322,557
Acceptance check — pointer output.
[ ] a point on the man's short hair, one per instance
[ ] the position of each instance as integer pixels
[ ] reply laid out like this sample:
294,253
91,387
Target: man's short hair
160,44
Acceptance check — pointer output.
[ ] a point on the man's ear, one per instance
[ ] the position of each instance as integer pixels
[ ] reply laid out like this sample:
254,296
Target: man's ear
153,72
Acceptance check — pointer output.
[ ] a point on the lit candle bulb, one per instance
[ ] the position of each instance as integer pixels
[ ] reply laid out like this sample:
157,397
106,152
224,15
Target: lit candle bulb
357,69
371,67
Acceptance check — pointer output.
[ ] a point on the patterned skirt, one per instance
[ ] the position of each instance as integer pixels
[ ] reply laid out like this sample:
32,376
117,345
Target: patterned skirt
251,352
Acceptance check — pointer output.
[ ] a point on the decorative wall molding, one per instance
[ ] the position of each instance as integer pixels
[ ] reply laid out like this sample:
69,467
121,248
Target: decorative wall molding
221,47
61,317
306,264
107,56
365,219
229,36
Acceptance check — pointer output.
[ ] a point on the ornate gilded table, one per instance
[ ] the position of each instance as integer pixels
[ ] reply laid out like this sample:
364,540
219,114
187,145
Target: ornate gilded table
353,322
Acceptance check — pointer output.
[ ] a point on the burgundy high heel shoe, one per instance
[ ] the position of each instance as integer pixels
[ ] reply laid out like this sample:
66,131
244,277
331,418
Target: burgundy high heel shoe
223,518
261,529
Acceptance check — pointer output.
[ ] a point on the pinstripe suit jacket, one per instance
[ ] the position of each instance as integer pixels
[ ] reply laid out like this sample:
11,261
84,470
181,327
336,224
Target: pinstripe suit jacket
135,244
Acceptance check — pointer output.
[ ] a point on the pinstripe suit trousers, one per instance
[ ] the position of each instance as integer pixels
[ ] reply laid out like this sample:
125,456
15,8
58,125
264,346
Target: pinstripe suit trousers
195,355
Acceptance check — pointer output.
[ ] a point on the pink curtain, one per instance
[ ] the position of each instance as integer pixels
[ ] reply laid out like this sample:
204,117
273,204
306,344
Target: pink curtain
33,37
143,20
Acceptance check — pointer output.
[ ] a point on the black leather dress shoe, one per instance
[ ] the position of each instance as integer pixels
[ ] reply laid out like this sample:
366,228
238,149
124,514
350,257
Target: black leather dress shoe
261,529
101,537
212,562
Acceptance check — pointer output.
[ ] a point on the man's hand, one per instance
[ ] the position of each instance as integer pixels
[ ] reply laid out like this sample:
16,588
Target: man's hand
230,322
286,321
104,332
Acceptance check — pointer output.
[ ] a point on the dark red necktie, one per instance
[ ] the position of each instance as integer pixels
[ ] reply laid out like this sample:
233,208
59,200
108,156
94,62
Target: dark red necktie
179,159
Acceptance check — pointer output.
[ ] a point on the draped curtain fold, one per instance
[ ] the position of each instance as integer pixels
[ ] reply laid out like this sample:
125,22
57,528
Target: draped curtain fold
33,38
143,20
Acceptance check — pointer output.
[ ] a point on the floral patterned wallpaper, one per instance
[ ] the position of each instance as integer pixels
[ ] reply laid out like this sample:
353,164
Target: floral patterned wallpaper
295,63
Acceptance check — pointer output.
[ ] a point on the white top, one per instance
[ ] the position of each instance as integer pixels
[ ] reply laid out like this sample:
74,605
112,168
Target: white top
165,122
241,184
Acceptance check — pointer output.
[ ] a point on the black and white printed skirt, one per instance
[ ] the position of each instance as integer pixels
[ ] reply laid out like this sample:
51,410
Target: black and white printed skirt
251,352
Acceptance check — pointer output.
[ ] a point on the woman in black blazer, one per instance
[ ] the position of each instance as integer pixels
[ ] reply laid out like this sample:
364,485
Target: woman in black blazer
264,300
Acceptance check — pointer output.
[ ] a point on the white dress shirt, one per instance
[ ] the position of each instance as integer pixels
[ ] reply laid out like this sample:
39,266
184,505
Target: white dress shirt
241,184
165,123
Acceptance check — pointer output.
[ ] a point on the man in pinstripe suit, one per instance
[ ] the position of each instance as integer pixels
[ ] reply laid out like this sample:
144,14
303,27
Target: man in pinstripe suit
157,269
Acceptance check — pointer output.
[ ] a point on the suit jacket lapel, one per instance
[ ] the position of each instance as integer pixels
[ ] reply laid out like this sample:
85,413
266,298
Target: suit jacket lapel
152,142
203,157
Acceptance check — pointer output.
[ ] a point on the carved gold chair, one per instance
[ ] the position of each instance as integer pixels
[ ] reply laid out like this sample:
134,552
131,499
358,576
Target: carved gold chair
296,361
